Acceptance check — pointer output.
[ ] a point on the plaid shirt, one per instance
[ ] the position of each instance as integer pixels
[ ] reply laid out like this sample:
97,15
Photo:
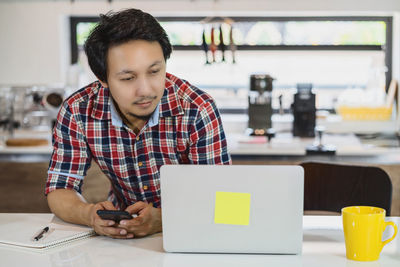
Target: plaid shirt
185,128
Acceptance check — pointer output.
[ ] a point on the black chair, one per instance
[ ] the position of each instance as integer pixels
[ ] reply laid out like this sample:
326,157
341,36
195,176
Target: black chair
330,187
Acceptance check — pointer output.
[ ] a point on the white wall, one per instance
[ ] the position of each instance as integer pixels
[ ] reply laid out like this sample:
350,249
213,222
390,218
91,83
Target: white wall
34,35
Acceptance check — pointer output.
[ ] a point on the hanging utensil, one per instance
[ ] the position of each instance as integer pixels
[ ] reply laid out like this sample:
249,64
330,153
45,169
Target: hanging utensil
221,43
205,46
232,45
213,46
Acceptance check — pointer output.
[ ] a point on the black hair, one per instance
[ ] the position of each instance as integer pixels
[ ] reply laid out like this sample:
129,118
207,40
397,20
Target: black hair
120,27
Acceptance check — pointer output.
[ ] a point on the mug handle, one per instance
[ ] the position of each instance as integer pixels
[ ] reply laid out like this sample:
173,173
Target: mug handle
394,235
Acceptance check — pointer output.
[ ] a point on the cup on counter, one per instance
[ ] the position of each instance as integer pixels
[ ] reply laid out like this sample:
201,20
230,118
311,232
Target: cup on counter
363,227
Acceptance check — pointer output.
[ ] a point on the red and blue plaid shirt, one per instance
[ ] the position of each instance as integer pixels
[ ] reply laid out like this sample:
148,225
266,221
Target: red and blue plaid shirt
185,128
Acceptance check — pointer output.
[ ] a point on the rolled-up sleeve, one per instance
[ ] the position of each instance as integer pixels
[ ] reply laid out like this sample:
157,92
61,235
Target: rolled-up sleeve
71,155
207,138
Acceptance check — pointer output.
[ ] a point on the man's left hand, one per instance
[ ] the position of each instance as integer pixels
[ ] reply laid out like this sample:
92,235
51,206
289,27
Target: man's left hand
147,222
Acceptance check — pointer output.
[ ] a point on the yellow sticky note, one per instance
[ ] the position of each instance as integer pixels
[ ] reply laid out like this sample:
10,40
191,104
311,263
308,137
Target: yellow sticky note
232,208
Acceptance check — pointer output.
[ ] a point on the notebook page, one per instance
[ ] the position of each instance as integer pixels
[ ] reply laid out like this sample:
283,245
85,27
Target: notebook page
20,229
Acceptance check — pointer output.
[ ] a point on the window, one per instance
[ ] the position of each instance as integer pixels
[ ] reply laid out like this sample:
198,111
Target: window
333,53
285,33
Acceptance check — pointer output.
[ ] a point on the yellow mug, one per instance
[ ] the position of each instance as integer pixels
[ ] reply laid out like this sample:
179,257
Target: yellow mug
363,227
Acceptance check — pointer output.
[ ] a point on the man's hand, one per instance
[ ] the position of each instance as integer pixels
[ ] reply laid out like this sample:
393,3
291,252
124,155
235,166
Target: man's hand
147,222
106,227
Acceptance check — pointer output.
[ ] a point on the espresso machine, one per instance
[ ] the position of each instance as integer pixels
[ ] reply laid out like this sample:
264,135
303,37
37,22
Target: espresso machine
30,107
304,111
260,108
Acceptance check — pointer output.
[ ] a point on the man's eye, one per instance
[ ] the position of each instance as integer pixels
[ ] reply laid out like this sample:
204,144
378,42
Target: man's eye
127,79
154,71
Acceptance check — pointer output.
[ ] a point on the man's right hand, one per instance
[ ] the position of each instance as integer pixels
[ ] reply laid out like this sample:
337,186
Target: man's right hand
106,227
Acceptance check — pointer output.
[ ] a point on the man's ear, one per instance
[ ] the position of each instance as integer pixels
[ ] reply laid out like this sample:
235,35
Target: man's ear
104,84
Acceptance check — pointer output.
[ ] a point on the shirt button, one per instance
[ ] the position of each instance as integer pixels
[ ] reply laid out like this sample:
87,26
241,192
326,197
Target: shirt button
145,187
140,164
137,138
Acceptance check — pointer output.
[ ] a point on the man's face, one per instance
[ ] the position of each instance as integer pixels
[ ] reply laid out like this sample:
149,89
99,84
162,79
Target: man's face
136,77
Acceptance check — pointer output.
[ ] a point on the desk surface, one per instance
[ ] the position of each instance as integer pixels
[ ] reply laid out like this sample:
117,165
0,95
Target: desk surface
323,245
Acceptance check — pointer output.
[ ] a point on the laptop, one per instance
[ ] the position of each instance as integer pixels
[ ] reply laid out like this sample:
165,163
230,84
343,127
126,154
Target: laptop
232,208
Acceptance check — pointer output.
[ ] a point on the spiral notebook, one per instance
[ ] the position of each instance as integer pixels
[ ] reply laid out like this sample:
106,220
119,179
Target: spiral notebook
19,230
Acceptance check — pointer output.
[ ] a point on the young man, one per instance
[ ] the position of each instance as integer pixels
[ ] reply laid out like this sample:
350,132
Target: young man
131,121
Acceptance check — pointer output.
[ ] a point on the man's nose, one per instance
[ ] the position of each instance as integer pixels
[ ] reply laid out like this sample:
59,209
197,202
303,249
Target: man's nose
143,87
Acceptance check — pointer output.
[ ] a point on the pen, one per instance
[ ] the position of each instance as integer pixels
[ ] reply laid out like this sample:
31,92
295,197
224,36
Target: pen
40,235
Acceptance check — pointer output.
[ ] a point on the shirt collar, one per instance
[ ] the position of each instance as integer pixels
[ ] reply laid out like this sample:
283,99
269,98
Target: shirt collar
115,118
170,104
101,105
117,121
153,121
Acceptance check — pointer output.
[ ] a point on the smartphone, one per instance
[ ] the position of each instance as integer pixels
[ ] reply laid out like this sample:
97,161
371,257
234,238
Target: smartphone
114,215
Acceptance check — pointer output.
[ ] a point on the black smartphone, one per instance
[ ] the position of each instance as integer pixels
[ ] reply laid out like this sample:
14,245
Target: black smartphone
114,215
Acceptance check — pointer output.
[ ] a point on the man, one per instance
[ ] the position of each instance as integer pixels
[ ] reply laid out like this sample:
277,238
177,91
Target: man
131,121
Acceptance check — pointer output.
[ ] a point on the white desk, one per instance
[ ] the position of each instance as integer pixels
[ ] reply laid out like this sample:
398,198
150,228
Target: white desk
323,245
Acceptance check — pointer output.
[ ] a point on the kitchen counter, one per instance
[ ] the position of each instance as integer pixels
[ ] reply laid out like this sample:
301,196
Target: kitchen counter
283,146
26,153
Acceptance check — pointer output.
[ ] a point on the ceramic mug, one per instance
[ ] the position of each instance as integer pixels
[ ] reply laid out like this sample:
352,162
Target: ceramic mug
363,227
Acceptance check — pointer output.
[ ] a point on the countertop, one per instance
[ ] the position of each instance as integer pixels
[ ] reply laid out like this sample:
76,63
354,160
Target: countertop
323,245
241,145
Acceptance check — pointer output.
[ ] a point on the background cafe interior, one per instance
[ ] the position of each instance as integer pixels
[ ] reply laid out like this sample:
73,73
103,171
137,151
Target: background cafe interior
296,81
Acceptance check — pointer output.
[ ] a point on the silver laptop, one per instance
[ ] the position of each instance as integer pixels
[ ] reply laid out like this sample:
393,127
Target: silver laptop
232,209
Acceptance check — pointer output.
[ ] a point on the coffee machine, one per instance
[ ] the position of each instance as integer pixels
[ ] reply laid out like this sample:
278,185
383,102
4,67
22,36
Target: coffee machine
260,109
304,111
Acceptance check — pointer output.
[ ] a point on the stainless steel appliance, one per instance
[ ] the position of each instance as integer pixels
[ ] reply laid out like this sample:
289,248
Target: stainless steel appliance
29,107
260,109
